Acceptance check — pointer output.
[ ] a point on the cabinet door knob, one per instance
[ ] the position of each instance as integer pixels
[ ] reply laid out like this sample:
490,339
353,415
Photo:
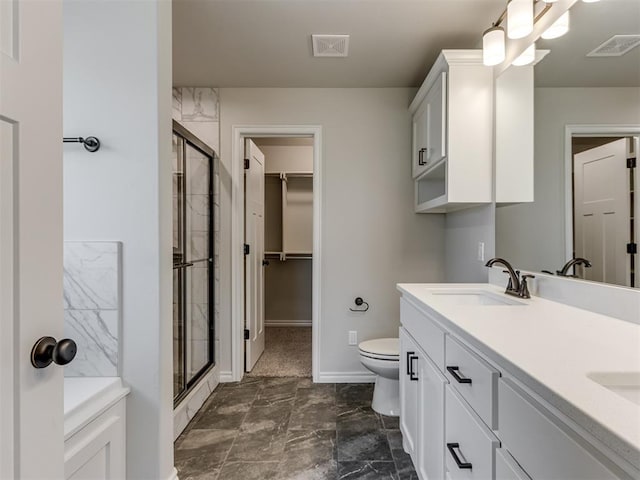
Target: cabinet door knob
454,373
462,465
47,350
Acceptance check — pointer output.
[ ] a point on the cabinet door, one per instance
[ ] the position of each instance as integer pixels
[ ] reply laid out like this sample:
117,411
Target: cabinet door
437,122
408,394
431,385
420,136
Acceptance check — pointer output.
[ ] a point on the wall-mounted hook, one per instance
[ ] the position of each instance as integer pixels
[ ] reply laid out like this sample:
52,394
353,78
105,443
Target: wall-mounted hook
359,302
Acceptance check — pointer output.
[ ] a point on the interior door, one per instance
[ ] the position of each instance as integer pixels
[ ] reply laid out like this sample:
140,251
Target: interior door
31,400
602,212
254,238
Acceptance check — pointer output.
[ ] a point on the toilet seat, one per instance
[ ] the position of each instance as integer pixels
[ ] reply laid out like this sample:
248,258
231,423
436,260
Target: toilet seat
381,349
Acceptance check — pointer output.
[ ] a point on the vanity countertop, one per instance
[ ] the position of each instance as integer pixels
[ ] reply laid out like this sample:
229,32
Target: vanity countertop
552,348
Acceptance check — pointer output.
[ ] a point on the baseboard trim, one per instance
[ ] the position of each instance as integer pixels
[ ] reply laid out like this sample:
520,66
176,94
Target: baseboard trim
287,323
173,475
226,377
346,377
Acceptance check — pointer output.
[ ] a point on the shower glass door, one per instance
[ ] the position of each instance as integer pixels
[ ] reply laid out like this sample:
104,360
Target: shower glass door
192,260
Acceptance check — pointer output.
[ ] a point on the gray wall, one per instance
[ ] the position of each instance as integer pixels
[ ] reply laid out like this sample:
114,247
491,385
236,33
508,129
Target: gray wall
371,239
532,236
464,229
123,193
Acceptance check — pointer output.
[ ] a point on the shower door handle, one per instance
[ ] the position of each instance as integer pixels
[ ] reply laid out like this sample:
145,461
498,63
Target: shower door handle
183,265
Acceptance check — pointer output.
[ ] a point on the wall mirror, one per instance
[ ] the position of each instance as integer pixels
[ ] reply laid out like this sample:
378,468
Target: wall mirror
586,123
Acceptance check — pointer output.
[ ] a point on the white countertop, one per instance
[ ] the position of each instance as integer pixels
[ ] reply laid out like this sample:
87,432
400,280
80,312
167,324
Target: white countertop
555,345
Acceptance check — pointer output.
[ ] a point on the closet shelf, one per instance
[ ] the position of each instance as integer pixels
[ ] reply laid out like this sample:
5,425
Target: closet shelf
284,256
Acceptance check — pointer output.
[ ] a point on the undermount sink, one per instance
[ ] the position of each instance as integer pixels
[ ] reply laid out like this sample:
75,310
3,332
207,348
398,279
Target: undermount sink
625,384
474,297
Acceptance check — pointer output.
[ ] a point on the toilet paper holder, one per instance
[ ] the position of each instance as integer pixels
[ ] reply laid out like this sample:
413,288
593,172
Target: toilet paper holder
359,302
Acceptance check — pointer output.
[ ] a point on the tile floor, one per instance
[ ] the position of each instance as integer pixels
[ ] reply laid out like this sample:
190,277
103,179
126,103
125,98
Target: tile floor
291,429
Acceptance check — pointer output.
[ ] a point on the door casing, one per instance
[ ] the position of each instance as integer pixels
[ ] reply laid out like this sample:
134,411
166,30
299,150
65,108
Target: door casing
239,134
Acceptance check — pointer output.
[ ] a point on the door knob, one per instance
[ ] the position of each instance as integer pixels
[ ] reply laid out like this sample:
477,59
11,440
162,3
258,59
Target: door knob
47,350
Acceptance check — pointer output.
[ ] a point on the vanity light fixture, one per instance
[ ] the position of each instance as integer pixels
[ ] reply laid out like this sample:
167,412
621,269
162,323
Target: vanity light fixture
493,46
590,1
557,28
527,57
519,18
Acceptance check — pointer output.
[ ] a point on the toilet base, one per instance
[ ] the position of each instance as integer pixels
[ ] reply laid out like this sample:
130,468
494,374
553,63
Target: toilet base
386,397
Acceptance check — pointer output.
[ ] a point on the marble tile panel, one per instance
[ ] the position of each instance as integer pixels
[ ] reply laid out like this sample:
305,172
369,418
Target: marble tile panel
308,467
200,104
198,245
96,335
404,465
277,394
176,104
316,394
91,275
313,417
317,442
394,437
274,418
354,393
199,324
363,446
249,471
197,172
200,451
198,212
198,285
390,423
357,418
372,470
258,445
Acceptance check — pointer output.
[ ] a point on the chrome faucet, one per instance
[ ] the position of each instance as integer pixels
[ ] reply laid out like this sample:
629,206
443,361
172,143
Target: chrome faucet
574,261
516,286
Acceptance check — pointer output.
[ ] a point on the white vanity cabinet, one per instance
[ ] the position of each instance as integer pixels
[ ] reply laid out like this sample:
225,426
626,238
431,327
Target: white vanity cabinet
467,417
452,112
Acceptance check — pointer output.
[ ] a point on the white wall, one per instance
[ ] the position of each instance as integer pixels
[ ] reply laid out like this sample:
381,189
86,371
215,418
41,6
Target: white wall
532,236
371,239
464,229
117,86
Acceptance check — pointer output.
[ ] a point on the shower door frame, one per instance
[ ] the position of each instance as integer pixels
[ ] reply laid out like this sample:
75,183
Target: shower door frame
189,139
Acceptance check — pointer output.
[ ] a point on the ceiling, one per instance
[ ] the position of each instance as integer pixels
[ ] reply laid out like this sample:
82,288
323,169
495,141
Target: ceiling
591,24
267,43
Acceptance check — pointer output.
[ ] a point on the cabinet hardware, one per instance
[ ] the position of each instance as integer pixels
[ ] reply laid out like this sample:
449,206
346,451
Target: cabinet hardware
247,334
183,265
421,160
454,373
462,465
412,375
409,355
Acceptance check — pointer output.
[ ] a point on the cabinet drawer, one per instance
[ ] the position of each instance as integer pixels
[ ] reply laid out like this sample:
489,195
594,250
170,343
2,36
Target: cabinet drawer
425,332
469,443
476,380
507,468
542,447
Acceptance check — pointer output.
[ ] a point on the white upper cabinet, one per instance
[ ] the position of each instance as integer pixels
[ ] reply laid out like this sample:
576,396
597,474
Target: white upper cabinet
452,160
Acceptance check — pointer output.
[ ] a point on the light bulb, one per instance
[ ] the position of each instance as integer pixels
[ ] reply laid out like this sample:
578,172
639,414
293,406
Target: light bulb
493,46
558,28
526,57
519,18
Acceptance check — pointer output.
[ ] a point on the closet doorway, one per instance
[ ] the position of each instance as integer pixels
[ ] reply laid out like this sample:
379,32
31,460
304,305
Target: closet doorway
279,199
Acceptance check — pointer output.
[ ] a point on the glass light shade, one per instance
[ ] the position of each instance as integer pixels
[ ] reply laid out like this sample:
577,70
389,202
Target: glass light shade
526,57
519,18
558,28
553,1
590,1
493,46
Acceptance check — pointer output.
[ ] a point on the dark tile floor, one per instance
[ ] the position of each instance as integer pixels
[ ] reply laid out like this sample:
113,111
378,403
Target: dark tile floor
291,429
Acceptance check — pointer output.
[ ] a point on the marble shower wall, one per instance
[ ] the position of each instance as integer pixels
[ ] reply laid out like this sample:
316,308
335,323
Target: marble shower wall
197,109
92,295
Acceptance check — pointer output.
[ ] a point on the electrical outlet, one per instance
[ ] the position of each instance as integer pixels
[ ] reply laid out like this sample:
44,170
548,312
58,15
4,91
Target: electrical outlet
353,337
481,251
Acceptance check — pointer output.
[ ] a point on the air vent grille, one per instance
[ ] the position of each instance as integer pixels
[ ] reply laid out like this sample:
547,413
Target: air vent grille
330,45
616,46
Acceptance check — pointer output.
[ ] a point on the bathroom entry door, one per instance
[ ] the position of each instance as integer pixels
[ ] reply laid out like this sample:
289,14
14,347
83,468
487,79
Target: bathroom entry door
254,239
31,400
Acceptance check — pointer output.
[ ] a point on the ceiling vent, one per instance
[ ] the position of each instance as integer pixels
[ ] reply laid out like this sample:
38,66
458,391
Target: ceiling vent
616,46
330,45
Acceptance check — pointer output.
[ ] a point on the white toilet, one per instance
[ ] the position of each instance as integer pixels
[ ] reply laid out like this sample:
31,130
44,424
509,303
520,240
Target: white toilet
382,357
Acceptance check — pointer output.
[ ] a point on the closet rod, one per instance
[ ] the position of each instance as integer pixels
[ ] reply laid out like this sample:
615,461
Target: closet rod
289,174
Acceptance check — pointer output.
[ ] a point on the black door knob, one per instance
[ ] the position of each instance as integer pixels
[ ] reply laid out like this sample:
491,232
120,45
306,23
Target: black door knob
47,350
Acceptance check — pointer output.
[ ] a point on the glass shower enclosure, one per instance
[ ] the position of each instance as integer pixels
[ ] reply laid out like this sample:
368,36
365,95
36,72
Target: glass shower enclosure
193,260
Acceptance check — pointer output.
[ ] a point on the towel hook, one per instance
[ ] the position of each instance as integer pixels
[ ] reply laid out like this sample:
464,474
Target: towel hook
359,302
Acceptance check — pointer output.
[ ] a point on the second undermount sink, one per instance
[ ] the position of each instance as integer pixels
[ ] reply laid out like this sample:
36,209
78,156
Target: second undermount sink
624,384
474,297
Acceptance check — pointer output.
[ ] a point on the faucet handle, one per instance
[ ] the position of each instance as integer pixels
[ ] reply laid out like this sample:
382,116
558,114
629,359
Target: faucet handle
524,288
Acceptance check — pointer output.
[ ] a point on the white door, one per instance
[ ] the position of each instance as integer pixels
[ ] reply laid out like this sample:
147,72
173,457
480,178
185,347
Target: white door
254,238
602,212
31,400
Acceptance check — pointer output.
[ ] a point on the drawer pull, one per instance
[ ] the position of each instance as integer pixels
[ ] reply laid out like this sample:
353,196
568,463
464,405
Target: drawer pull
409,355
421,161
454,373
462,465
412,374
